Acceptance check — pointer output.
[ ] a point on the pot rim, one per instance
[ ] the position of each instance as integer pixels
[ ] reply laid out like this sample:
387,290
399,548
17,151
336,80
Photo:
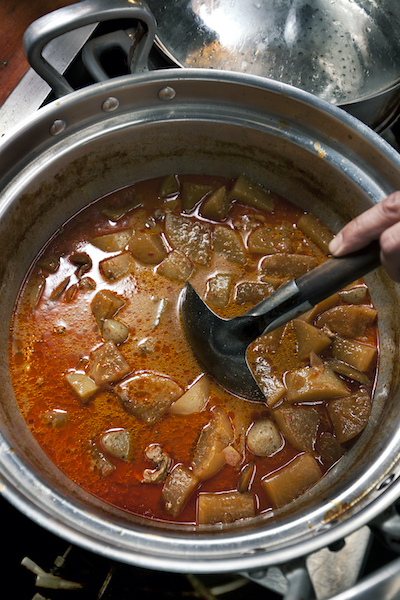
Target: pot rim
46,514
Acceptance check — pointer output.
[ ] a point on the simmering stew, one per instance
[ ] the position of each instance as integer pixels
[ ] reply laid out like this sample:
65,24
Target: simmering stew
115,397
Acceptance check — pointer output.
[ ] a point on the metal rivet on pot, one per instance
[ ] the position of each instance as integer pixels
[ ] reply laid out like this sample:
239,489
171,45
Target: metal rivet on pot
167,93
110,104
386,482
57,127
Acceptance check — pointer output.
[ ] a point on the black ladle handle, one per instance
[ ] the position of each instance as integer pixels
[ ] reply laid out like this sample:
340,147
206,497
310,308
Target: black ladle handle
337,272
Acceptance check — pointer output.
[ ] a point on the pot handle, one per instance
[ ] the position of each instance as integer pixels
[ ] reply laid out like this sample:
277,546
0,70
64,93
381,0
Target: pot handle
87,12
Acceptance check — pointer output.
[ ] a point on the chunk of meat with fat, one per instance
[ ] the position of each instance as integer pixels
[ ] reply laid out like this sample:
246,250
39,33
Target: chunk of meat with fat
148,395
349,320
108,365
178,486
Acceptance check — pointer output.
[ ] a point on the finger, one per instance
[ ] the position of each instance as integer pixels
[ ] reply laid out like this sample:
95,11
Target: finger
390,251
367,227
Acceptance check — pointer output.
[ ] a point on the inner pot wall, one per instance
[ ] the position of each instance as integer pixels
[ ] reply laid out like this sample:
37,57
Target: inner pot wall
301,150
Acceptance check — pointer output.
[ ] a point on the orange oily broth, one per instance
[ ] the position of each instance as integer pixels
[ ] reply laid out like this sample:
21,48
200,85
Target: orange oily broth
59,336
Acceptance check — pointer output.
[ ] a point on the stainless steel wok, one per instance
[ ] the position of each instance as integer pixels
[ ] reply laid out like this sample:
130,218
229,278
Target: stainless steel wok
111,134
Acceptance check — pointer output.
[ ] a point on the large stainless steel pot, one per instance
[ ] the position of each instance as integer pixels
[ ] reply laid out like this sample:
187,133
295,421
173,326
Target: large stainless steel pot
108,135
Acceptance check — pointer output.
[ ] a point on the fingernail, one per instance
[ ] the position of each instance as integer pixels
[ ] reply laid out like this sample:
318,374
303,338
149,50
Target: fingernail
336,244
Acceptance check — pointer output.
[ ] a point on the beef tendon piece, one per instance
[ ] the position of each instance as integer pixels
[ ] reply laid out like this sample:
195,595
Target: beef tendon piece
178,486
350,415
313,384
108,365
229,243
349,321
148,395
224,507
292,480
147,248
287,265
356,354
248,192
299,425
310,339
189,236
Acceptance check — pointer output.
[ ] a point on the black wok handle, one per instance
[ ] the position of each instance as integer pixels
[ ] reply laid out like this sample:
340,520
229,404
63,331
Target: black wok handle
337,272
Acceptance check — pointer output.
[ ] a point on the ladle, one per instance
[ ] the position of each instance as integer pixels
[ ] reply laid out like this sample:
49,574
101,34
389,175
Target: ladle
220,344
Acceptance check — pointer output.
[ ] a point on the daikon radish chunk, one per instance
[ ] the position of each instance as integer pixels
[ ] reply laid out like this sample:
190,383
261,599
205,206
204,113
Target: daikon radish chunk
169,186
248,192
263,438
189,236
269,239
108,365
350,320
252,291
194,400
224,507
350,415
209,457
229,243
314,383
147,248
176,267
354,295
217,206
316,231
192,193
219,289
354,353
148,395
287,265
178,486
329,448
116,267
292,480
112,242
83,386
299,425
310,339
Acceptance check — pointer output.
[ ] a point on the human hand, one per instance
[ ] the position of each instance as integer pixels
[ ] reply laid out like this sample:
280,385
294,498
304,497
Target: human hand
382,222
